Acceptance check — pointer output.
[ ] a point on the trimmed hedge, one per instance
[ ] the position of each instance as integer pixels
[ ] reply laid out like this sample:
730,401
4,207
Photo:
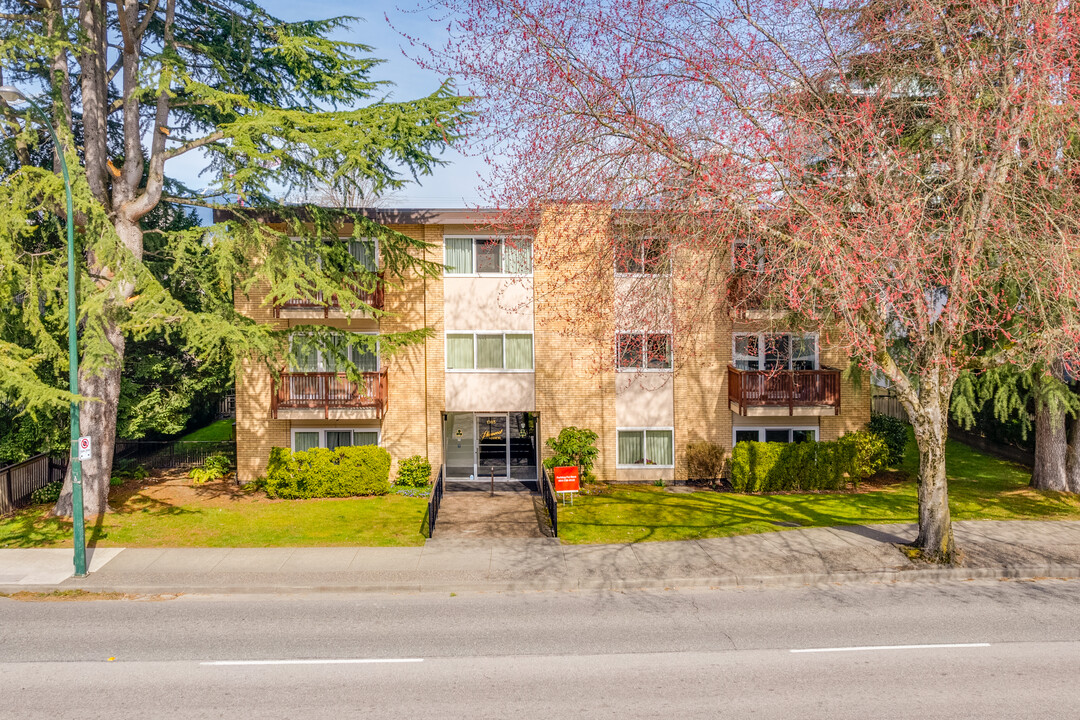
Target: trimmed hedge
342,472
774,467
893,432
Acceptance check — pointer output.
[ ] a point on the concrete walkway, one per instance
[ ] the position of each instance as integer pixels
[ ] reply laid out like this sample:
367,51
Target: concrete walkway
790,557
471,511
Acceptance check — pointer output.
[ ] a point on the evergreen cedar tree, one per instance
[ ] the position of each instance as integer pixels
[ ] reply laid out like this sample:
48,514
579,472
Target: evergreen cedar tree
275,107
902,175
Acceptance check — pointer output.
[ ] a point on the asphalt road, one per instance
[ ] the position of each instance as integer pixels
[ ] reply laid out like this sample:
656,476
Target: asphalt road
990,650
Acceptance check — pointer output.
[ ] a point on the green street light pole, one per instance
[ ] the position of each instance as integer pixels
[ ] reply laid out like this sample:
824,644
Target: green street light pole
12,94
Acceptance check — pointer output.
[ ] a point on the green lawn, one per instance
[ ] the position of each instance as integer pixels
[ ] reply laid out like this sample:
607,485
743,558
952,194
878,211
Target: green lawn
220,431
391,520
980,488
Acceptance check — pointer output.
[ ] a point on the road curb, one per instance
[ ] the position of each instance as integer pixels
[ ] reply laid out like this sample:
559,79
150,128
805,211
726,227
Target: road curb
881,576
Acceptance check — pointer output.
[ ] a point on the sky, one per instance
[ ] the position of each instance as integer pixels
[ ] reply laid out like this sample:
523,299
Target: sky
454,185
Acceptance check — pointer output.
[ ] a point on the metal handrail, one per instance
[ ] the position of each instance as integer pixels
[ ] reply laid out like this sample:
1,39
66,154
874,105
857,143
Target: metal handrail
435,500
547,493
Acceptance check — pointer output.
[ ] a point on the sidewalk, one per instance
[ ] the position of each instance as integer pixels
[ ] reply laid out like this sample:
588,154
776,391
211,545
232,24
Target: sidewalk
789,557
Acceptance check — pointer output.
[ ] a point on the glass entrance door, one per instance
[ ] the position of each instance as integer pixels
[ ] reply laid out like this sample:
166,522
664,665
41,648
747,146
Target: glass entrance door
492,448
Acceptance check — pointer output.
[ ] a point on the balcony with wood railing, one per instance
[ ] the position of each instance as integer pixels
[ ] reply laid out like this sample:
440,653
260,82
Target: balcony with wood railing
784,392
330,396
314,307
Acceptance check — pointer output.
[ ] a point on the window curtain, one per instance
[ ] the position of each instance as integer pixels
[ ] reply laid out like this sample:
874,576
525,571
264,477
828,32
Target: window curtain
364,355
365,438
631,450
459,352
489,352
459,256
305,441
304,354
363,251
659,447
517,256
519,352
338,438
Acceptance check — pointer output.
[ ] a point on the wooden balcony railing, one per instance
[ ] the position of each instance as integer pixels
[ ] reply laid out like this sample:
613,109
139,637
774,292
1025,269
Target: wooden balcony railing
784,388
330,391
375,298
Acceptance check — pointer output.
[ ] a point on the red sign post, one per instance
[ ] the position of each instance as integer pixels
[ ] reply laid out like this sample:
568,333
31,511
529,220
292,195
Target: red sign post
567,479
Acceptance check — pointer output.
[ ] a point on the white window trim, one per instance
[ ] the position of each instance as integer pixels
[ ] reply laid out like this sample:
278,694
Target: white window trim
639,466
323,430
474,333
761,431
761,346
620,274
502,241
644,367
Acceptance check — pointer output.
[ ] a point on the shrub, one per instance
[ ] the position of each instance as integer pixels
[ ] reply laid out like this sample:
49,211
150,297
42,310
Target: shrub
704,460
413,471
127,470
772,467
47,493
895,434
343,472
864,454
574,446
214,467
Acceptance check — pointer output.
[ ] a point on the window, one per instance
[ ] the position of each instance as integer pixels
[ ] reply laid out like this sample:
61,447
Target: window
331,438
365,252
768,351
782,435
646,447
643,351
489,351
488,256
361,349
747,255
642,256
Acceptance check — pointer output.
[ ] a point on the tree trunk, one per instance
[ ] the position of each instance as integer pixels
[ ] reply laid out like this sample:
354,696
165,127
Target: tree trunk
1050,449
97,419
1072,458
935,523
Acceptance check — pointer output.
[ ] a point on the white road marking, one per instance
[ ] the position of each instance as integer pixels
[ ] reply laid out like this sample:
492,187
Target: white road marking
891,647
327,661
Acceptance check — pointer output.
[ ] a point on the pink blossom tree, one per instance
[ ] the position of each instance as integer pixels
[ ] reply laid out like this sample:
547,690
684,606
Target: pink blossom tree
908,169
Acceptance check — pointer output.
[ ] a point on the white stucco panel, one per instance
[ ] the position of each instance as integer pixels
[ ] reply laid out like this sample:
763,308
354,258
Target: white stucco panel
490,391
488,303
644,399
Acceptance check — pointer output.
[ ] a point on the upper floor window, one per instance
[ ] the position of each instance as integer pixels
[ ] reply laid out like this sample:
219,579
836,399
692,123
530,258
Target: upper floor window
643,351
488,256
747,255
365,252
642,256
489,351
775,351
308,356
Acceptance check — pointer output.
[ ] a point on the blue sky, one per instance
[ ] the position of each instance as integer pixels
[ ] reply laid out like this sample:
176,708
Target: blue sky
454,185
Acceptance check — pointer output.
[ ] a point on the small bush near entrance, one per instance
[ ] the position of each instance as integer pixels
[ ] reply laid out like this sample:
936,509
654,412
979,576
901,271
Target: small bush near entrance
894,432
343,472
574,446
704,461
413,471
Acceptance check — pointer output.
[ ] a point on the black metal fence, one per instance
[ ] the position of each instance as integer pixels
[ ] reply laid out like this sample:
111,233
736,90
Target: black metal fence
434,501
19,481
547,492
169,454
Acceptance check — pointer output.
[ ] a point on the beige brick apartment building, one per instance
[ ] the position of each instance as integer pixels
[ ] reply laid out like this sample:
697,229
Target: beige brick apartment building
507,365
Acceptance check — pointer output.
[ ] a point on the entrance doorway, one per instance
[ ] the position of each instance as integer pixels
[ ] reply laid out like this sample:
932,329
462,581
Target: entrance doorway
479,446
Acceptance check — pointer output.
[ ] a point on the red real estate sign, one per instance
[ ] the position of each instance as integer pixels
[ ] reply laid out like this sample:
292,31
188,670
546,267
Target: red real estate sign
566,479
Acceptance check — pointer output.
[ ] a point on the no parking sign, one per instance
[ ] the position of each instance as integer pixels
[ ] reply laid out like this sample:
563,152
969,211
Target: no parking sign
84,447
